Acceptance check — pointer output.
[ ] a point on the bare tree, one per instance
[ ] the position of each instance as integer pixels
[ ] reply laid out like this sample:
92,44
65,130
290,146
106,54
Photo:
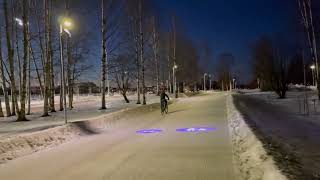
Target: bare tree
225,61
155,47
103,58
22,111
3,79
122,73
46,61
305,7
50,73
10,58
270,67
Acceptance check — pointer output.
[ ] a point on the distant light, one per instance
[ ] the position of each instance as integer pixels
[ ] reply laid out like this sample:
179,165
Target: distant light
175,66
19,21
312,66
148,131
196,129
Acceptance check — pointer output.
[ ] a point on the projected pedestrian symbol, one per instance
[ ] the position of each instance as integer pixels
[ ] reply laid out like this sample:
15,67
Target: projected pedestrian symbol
149,131
196,129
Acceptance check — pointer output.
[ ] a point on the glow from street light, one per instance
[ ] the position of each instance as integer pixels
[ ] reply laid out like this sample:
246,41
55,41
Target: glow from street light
175,66
67,24
19,21
312,67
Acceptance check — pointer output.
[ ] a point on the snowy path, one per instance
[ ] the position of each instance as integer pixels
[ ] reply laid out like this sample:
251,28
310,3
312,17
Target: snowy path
293,140
121,153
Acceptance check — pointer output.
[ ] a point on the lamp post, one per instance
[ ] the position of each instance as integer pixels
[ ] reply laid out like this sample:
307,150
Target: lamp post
210,87
204,81
313,67
233,83
64,26
174,79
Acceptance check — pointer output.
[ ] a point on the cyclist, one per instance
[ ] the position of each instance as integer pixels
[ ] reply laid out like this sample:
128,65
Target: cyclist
163,97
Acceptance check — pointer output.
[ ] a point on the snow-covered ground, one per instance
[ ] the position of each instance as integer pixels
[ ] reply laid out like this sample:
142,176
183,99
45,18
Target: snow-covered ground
290,136
85,107
303,104
250,158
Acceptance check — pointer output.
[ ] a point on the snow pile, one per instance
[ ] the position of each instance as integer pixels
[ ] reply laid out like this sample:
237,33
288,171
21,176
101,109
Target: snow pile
250,158
23,144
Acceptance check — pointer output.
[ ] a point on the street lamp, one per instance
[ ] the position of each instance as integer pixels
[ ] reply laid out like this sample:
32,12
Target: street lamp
233,83
204,81
174,79
210,87
313,67
65,25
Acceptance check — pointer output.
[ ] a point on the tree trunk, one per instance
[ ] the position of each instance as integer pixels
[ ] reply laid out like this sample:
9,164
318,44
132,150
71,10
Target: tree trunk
22,112
138,75
141,54
1,112
46,62
29,72
125,98
50,63
69,73
14,104
155,51
3,79
103,59
37,71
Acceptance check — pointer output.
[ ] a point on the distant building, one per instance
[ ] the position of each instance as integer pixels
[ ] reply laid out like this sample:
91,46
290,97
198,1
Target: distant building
86,88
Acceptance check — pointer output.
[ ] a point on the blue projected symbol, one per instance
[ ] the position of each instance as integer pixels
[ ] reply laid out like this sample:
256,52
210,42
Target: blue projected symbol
196,129
149,131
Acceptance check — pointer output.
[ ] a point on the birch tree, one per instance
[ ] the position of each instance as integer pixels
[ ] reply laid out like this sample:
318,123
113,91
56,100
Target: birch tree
10,52
46,61
3,79
305,7
22,111
103,58
155,47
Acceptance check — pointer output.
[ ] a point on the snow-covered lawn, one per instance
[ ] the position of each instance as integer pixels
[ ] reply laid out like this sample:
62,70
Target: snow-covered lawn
85,107
294,103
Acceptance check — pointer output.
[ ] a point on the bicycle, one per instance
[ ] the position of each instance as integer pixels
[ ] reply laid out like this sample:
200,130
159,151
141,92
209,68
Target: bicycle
164,107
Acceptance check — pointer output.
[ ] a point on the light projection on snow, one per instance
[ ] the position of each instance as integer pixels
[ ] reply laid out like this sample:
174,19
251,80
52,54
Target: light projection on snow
149,131
196,129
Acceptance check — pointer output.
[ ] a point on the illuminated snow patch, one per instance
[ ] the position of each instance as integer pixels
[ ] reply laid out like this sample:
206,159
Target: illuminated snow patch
196,129
149,131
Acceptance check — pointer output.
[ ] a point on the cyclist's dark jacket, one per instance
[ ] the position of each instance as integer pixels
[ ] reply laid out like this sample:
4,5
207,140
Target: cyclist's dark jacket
163,96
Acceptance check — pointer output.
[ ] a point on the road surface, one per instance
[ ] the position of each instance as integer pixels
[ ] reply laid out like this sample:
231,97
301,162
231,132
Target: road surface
121,153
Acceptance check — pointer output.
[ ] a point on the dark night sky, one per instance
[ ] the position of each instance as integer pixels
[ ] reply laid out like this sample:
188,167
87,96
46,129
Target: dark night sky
227,25
232,25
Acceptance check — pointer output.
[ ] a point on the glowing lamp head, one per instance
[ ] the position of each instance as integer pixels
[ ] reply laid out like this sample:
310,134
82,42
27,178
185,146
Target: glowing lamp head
175,66
313,67
67,24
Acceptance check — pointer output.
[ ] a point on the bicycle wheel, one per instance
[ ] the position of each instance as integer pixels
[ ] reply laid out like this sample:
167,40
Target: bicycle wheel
162,108
166,108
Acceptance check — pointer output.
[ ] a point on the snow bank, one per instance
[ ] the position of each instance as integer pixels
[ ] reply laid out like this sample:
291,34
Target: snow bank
23,144
250,158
